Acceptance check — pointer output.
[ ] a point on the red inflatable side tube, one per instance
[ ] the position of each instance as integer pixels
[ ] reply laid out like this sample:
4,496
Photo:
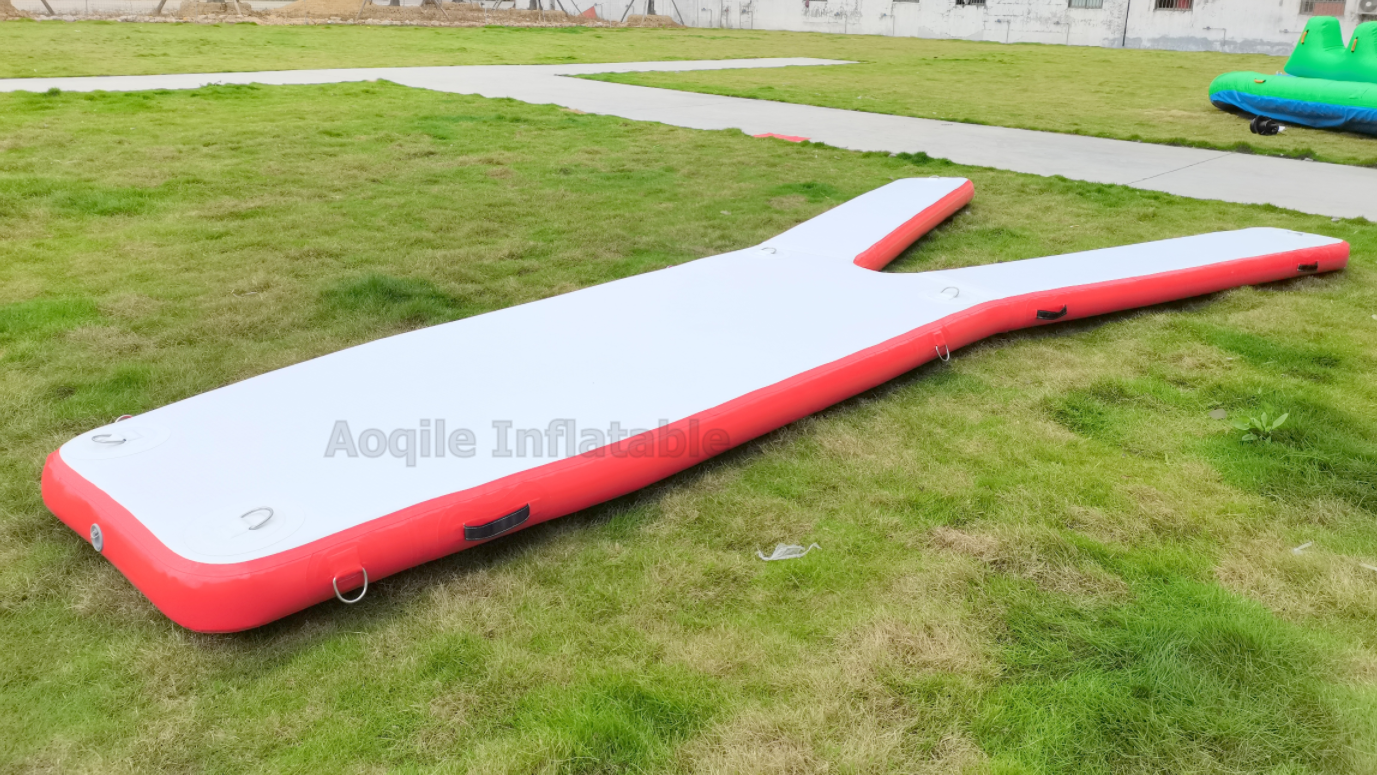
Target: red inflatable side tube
224,598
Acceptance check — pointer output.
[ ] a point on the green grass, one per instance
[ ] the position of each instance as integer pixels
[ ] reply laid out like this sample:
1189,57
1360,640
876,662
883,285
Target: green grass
1149,96
1152,96
1043,556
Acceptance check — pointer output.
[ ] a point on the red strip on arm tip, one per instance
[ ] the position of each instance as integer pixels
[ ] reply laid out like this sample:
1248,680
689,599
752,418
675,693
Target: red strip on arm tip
878,256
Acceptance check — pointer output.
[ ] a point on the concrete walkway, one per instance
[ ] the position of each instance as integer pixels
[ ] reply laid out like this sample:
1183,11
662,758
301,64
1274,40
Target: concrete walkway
1324,189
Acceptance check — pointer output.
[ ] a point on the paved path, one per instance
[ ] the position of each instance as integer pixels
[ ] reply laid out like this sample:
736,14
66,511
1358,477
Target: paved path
1324,189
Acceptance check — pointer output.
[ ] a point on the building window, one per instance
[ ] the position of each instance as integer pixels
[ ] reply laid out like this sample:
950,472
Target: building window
1322,7
1085,3
1174,5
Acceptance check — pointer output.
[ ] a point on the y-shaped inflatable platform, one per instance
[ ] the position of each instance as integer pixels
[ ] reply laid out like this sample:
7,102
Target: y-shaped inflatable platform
242,505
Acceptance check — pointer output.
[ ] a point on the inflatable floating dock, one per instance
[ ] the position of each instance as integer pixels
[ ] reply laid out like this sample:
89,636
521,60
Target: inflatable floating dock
239,506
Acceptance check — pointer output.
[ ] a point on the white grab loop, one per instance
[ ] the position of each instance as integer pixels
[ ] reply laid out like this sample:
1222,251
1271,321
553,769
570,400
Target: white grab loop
939,348
108,438
335,583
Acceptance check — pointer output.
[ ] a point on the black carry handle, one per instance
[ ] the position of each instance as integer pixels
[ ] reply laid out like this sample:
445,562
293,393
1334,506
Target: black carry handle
498,526
1315,267
1047,314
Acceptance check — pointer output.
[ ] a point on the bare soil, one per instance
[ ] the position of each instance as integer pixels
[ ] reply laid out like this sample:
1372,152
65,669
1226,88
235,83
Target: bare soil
192,8
457,14
657,20
346,11
8,11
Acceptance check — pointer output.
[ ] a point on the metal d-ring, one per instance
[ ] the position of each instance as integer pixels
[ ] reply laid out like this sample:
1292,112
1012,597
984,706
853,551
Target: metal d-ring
334,582
261,522
108,438
939,348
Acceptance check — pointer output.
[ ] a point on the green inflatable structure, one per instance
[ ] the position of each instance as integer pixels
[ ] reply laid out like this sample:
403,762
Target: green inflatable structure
1326,84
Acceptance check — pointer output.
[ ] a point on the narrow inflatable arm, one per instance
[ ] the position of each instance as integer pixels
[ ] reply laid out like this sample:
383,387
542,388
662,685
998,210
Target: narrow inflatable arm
874,228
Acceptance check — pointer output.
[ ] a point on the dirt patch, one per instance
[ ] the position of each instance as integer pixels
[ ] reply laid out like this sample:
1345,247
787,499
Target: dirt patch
763,741
457,14
651,21
982,547
1040,556
892,645
344,9
348,11
192,8
1314,585
790,202
8,11
857,704
1363,668
107,341
131,306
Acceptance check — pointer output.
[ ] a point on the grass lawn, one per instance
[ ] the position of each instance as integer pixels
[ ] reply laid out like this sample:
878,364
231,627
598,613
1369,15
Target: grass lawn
1154,96
1043,556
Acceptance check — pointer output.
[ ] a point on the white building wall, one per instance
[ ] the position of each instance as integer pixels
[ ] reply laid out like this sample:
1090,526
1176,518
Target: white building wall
1239,26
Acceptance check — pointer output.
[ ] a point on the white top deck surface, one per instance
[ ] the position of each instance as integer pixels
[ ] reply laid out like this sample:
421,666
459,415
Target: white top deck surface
656,347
